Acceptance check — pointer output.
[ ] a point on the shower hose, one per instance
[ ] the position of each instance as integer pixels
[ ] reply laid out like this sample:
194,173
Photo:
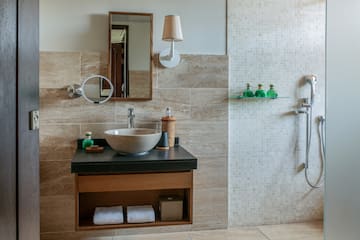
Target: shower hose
321,130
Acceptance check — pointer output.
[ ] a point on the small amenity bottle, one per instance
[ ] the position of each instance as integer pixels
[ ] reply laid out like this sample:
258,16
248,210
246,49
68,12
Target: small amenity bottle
87,142
248,92
260,92
271,93
168,125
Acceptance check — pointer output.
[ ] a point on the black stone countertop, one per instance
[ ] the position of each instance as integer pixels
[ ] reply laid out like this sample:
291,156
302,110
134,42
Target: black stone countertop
172,160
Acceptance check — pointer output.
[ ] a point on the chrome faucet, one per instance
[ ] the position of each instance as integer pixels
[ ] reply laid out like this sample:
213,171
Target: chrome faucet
131,118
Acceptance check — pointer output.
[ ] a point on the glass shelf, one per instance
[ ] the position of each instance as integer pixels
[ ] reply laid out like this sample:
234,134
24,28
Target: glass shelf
255,98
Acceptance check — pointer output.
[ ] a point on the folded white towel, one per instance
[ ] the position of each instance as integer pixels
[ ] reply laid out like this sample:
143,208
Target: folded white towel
108,215
140,214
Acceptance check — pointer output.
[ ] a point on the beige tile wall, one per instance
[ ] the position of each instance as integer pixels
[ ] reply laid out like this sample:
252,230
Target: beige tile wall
196,90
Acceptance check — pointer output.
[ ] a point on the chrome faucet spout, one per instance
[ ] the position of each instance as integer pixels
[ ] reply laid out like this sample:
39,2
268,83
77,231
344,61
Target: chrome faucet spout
131,118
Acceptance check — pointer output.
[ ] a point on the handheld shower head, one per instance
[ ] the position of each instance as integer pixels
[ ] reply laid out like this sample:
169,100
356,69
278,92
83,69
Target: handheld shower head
312,80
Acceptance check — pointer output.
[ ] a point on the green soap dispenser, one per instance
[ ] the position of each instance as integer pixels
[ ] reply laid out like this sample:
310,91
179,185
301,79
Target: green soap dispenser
87,142
260,92
248,92
271,93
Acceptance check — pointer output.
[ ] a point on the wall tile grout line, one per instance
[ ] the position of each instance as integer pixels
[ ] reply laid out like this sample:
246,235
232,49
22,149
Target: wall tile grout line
262,233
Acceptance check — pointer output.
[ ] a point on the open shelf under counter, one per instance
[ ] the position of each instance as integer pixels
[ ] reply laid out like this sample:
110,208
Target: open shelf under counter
87,224
108,179
131,190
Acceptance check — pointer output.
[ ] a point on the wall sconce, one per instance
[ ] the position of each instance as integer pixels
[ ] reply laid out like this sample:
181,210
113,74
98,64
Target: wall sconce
172,32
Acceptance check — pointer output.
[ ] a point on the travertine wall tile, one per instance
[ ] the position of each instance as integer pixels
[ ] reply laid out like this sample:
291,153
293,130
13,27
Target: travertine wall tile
210,112
196,72
204,96
204,139
177,99
211,172
57,213
58,142
58,136
56,108
56,179
210,209
59,69
64,154
200,107
209,104
93,63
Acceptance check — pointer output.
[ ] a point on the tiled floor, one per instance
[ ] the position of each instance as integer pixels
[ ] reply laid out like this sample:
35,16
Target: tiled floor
298,231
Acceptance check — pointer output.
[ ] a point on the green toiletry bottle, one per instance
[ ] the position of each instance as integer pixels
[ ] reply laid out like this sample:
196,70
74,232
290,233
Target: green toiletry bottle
260,92
87,142
248,92
271,93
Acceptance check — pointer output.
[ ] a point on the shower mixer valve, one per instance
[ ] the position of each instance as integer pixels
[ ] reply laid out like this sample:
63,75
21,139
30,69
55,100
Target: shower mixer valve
304,106
306,103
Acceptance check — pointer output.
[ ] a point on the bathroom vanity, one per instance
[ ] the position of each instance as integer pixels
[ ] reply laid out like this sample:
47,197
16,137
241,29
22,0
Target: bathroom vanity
109,179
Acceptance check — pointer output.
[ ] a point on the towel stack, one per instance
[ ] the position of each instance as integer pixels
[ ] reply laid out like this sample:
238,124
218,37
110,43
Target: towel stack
140,214
114,215
108,215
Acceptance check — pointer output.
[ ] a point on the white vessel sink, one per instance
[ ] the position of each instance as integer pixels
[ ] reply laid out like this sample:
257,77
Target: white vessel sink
132,140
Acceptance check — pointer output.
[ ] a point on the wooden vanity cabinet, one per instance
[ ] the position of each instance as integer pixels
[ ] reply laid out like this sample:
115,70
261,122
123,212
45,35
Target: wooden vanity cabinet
129,189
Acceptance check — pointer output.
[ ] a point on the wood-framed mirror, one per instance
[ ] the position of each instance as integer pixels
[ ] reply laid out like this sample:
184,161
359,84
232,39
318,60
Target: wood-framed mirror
130,55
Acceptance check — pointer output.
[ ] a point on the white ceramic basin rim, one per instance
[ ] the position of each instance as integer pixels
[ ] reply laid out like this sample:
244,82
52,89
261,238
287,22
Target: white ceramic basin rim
132,140
131,131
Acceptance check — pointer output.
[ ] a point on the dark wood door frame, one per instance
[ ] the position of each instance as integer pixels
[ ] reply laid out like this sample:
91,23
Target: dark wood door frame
19,95
28,140
8,49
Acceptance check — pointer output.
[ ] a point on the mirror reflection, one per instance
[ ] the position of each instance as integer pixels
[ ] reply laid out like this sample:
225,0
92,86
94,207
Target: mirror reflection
130,51
97,89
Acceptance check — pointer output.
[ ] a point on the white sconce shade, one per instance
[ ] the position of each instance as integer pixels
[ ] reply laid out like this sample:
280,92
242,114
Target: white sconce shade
172,32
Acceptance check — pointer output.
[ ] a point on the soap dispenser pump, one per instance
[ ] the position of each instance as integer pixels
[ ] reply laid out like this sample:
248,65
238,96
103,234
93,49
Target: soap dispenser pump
168,125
